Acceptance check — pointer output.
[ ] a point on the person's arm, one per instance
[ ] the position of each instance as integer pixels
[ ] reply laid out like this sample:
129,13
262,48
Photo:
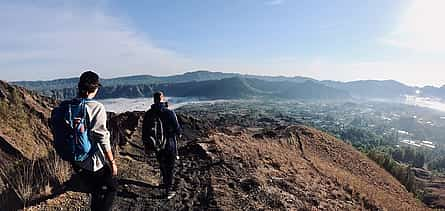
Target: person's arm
100,133
146,129
176,127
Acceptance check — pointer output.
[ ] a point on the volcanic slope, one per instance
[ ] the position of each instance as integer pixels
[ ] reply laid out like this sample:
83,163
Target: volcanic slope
237,168
25,137
24,130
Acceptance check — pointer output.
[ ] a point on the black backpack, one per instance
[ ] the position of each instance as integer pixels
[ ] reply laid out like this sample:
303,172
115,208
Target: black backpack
156,134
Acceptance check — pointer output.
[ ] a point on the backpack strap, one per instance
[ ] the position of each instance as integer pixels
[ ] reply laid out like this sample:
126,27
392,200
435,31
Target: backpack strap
85,115
87,123
70,115
84,112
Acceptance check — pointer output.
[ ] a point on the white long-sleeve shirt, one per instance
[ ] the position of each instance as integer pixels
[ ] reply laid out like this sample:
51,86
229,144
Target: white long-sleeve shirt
99,135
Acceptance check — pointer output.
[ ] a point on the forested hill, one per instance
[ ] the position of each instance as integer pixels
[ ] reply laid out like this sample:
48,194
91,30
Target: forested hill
149,79
228,88
299,167
365,89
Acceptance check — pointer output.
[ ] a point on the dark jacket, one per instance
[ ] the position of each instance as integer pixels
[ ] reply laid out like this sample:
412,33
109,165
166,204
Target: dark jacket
168,118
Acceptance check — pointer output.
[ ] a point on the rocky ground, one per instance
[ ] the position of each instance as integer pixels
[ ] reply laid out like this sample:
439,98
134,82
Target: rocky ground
139,175
231,163
24,136
231,157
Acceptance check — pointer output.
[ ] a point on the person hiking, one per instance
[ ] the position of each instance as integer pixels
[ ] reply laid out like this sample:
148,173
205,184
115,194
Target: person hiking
81,137
160,129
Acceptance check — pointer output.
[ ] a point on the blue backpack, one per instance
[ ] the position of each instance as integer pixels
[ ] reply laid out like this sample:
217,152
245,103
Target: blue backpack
70,127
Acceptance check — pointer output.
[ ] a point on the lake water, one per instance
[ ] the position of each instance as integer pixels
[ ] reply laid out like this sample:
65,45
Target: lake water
119,105
433,103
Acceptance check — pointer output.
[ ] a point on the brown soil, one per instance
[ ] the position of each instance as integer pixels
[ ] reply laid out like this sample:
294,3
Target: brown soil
227,162
296,168
24,132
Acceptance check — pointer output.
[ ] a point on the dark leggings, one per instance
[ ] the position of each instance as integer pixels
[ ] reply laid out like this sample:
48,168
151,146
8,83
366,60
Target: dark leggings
167,158
103,188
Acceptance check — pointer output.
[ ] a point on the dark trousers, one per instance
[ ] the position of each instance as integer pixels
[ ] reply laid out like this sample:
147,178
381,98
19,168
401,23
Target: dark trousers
103,187
166,158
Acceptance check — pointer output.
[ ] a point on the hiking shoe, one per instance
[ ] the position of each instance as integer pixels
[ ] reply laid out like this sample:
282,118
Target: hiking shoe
171,194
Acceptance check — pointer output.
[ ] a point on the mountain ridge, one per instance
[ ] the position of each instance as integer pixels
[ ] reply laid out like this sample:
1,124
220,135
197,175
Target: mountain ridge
240,166
226,88
362,89
22,111
199,75
232,167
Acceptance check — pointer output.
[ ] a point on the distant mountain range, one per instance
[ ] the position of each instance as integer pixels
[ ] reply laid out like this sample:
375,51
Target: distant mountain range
227,88
149,80
233,85
373,89
277,165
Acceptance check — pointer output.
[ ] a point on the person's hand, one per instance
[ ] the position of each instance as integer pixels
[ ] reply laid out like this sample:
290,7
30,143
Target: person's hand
112,162
113,168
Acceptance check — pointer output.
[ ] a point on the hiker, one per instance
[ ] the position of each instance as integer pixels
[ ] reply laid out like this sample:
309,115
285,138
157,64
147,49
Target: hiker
160,130
82,138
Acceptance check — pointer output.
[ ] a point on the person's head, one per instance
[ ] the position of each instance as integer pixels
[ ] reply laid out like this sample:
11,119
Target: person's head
158,97
88,84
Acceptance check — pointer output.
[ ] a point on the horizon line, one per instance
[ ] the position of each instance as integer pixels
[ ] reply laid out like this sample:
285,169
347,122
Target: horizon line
239,73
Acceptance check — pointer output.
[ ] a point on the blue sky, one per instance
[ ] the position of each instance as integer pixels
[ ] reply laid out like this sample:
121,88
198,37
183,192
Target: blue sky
339,40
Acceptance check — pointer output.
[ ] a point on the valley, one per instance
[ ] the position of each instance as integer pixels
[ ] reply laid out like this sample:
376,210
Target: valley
217,85
236,149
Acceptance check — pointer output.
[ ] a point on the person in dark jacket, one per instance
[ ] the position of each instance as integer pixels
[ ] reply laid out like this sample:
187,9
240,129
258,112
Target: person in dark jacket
167,152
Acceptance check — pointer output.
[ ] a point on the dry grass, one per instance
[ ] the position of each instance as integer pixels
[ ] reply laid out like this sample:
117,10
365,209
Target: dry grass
21,179
24,181
57,168
354,170
335,174
32,179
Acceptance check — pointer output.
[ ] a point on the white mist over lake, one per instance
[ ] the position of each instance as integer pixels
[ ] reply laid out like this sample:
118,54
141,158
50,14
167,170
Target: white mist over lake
427,102
120,105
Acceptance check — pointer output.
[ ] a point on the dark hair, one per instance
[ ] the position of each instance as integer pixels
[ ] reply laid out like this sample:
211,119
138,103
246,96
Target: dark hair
157,96
88,82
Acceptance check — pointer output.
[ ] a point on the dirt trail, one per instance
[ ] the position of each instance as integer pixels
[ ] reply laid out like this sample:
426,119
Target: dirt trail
239,168
139,179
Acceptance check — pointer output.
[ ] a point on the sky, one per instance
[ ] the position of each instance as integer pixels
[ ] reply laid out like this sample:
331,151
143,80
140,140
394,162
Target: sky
342,40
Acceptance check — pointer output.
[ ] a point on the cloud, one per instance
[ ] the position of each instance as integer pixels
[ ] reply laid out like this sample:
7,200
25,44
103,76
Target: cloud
420,27
274,2
60,40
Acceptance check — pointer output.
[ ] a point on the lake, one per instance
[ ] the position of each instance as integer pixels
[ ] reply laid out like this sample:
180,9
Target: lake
427,102
120,105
